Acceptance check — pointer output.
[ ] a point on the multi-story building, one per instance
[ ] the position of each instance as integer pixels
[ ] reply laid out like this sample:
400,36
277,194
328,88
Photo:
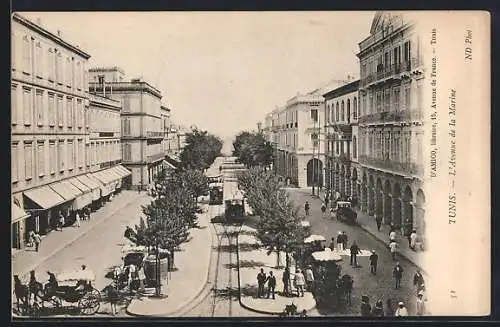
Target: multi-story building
341,140
390,123
141,121
50,130
297,131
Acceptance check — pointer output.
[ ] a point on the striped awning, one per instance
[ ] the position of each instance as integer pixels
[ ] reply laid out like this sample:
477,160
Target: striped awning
122,171
93,185
44,197
17,213
66,190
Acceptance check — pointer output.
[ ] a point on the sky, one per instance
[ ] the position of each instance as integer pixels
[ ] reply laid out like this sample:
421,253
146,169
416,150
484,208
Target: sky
220,71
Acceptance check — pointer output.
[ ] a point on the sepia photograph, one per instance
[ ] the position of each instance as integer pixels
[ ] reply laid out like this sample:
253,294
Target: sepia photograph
250,164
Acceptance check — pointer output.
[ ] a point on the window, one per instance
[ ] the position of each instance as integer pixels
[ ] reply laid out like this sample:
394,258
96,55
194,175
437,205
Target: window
407,51
337,112
127,152
53,157
27,55
59,109
126,127
337,149
61,155
52,110
395,98
41,158
387,60
387,100
69,71
71,155
14,162
39,107
49,64
314,115
87,154
38,60
27,106
14,106
78,75
355,109
69,111
58,67
397,55
354,146
28,160
407,96
348,111
79,113
342,111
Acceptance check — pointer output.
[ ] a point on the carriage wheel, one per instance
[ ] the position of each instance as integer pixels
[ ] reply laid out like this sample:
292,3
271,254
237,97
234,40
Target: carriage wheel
56,302
90,302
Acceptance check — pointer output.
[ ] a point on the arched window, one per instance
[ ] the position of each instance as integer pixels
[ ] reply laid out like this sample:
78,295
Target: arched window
354,147
348,111
337,111
355,108
343,111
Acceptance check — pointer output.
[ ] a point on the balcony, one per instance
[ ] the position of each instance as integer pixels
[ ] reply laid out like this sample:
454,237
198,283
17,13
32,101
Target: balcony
155,135
402,168
388,117
344,158
386,72
155,157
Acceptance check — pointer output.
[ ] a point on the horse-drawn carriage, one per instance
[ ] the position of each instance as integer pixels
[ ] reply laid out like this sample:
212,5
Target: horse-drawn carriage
68,287
345,213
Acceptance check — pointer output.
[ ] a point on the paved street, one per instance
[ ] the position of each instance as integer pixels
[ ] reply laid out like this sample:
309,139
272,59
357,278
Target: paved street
99,248
376,287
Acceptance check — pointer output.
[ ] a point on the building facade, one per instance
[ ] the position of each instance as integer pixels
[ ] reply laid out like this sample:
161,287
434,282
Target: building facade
341,140
297,132
142,133
50,130
391,123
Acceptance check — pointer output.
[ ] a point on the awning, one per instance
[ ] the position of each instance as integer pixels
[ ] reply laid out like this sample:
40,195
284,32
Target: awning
45,197
125,171
104,178
93,185
64,190
106,188
82,187
169,165
17,213
84,199
112,173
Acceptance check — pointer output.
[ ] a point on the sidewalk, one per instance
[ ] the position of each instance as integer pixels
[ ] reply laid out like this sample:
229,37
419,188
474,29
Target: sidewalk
250,262
27,259
187,282
369,225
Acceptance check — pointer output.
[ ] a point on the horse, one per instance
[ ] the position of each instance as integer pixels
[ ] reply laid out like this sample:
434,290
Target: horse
22,293
35,287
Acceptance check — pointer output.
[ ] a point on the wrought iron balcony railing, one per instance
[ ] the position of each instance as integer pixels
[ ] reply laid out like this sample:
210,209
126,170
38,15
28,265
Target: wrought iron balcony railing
392,117
400,167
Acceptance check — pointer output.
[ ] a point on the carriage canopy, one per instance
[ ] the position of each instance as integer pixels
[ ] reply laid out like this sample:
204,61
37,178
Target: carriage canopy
139,248
70,276
326,255
314,238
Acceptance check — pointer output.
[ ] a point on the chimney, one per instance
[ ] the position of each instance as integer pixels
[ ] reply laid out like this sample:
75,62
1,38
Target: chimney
38,21
59,33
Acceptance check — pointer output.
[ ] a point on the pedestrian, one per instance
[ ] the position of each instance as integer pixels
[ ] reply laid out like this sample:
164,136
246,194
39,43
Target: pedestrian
354,254
31,239
392,235
397,272
418,280
413,240
401,311
88,212
332,213
420,305
77,220
366,308
327,200
271,284
62,220
37,240
389,311
394,249
261,280
323,210
332,244
299,282
378,220
344,240
113,297
306,208
340,242
373,262
309,278
286,282
378,309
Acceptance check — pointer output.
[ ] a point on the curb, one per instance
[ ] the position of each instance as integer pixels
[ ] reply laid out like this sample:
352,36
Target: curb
399,253
184,307
72,240
273,313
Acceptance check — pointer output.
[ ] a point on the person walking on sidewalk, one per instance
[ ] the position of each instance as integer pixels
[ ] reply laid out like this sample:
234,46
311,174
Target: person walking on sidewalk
401,311
286,282
397,272
344,240
37,240
323,210
271,284
306,208
340,242
378,220
366,308
392,234
420,305
62,221
418,280
413,239
332,244
77,220
378,309
394,249
261,281
299,282
309,278
373,262
354,254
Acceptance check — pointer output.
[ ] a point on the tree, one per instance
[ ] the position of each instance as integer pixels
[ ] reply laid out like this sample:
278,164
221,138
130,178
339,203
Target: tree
279,227
252,149
201,150
197,182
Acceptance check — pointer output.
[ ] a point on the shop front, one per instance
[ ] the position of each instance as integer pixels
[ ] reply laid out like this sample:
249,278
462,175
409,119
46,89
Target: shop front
17,220
84,201
125,176
69,193
107,184
95,188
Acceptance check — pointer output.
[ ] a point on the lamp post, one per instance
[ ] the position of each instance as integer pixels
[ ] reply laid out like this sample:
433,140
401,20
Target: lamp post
232,229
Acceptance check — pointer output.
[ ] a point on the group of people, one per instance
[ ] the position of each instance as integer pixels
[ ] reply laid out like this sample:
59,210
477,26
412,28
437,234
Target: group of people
302,281
82,214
